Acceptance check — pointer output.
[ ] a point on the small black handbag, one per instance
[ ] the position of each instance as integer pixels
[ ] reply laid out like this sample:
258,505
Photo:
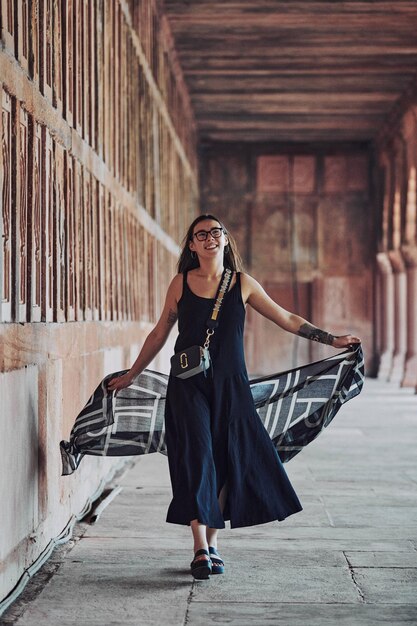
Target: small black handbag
196,359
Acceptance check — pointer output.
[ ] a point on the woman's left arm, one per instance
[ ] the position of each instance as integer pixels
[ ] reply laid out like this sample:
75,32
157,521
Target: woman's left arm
256,296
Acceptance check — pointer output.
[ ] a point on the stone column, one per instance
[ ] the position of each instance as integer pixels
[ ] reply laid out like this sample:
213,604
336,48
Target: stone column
410,370
386,314
400,316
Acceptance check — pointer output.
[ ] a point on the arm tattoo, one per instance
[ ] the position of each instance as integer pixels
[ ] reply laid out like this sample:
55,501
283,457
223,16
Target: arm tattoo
172,317
315,334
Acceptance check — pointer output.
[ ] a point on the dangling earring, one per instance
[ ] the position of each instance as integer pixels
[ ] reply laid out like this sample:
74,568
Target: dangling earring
193,254
226,249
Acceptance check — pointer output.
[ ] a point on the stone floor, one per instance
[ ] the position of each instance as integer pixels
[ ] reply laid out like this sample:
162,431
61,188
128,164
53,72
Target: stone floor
349,558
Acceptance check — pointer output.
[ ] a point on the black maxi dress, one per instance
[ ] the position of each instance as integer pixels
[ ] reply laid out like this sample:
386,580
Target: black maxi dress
214,434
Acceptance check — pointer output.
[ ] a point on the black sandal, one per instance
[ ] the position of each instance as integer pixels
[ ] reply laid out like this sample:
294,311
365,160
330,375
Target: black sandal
217,562
201,568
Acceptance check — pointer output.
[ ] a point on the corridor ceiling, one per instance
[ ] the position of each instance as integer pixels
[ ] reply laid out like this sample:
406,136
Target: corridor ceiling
268,70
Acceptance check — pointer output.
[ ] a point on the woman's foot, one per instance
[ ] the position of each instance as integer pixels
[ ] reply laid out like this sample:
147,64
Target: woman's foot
201,565
216,561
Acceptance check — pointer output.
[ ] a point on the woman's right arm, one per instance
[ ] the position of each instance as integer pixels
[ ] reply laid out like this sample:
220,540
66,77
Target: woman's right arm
156,338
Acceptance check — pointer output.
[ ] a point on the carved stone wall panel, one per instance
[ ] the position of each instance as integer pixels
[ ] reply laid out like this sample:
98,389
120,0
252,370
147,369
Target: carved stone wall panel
38,200
123,102
35,49
58,53
113,93
99,238
135,269
106,77
304,232
23,19
8,34
114,279
272,174
59,237
70,255
86,214
79,242
119,262
137,272
335,174
6,207
304,174
99,74
95,251
152,271
345,227
126,253
47,221
128,265
121,278
358,173
344,304
45,26
68,75
22,211
87,94
271,238
78,34
56,229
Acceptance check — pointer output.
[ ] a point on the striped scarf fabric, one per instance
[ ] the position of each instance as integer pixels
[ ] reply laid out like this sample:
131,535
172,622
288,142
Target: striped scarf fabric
294,406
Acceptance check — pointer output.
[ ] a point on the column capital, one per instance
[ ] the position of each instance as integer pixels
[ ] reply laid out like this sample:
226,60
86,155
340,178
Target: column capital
409,254
397,261
383,262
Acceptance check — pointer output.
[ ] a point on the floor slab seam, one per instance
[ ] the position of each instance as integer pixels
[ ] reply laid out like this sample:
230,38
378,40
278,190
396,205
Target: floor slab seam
353,577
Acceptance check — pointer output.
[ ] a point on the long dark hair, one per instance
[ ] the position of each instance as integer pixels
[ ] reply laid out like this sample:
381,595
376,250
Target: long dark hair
231,258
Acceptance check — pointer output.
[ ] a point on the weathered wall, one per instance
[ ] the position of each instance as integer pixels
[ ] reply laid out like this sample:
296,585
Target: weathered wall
396,311
303,221
97,179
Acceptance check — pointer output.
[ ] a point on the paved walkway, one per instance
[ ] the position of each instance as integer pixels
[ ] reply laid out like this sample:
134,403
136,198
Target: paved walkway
349,558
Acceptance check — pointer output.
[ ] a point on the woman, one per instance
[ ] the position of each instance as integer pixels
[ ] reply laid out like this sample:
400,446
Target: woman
222,463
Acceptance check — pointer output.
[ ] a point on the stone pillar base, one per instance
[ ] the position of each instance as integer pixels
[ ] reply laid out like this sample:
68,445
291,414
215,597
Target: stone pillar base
397,369
385,366
410,373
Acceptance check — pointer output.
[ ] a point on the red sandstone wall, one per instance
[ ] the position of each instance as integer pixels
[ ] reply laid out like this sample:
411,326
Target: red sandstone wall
97,181
304,224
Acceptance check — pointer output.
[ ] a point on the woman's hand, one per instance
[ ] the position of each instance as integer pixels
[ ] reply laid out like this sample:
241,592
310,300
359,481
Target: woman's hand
344,341
120,382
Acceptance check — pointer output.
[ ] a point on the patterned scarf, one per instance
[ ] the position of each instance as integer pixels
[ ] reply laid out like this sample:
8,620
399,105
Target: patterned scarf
294,406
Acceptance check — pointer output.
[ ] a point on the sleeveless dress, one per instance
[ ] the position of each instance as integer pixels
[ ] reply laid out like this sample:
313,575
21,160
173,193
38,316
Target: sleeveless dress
213,432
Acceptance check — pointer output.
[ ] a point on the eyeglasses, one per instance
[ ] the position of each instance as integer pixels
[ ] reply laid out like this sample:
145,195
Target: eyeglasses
202,235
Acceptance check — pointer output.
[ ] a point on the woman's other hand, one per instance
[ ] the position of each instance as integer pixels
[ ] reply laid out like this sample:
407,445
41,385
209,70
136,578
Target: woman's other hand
120,382
344,341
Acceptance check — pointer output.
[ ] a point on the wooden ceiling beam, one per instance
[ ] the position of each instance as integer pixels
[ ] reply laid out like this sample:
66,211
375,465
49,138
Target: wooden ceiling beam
320,98
288,123
342,63
323,69
202,7
245,85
